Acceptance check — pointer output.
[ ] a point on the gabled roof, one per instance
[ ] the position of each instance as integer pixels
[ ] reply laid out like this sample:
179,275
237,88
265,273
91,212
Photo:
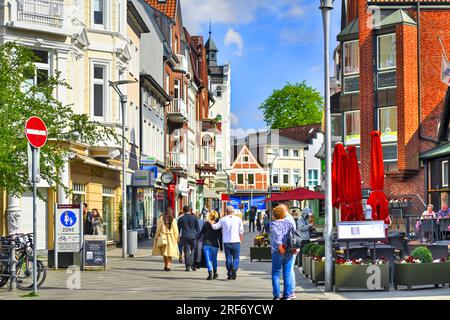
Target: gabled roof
168,7
245,149
351,29
301,133
398,17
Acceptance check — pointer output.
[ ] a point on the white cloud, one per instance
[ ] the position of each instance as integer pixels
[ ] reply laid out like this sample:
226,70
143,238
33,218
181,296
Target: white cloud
234,38
295,11
234,119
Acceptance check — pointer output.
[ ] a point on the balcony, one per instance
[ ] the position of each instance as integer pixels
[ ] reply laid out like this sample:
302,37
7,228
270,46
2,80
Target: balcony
212,126
177,161
39,15
177,111
182,66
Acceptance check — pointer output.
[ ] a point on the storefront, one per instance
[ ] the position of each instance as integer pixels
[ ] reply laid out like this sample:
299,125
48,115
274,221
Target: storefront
247,201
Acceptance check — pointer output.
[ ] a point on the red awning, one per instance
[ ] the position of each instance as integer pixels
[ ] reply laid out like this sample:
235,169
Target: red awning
297,194
377,199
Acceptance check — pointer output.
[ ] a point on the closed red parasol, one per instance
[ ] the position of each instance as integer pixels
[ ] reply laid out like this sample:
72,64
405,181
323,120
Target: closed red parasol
354,189
377,199
336,187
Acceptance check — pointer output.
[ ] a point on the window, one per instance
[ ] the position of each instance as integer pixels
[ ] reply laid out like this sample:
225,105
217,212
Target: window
240,178
352,127
336,126
250,179
219,161
351,57
285,176
296,153
275,176
98,12
296,177
108,208
445,173
78,193
285,152
99,91
274,151
389,152
42,63
176,89
313,178
387,123
387,51
219,92
245,158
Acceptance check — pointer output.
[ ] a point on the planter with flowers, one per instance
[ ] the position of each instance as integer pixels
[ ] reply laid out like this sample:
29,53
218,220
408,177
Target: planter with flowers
318,265
362,274
420,269
308,250
261,249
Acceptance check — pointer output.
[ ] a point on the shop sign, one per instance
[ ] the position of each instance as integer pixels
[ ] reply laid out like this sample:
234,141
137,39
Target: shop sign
68,228
200,182
361,230
274,189
94,253
143,178
148,161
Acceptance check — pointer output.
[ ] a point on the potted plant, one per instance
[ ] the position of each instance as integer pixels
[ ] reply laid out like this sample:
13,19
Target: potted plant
318,265
261,250
362,274
308,259
305,251
420,269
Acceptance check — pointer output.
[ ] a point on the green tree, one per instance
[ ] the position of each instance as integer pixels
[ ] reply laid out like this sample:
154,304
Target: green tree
294,105
21,98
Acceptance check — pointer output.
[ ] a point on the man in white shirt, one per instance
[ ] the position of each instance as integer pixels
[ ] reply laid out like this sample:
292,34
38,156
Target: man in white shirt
232,235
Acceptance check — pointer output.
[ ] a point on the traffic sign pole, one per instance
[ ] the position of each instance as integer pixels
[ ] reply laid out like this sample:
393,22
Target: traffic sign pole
33,157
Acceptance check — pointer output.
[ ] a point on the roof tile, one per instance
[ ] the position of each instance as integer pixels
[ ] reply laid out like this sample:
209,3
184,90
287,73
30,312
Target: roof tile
168,7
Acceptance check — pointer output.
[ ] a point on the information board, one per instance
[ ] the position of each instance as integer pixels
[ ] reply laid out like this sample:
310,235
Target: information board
361,230
94,252
68,227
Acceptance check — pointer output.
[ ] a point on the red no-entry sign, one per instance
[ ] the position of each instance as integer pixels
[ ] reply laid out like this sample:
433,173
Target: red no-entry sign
36,132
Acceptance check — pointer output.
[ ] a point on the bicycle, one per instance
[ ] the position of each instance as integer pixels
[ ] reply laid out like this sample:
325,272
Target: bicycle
24,267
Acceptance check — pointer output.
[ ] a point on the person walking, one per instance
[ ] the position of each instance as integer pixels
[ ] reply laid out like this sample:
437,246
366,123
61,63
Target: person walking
180,244
232,235
258,223
166,239
87,217
251,219
266,223
212,241
97,223
282,256
189,229
204,212
304,229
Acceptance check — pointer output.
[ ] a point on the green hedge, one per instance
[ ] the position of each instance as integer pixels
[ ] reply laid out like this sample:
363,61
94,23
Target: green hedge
423,254
307,247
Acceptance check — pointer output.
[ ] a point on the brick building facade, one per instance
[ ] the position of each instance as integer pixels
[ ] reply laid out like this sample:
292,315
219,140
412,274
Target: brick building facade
390,68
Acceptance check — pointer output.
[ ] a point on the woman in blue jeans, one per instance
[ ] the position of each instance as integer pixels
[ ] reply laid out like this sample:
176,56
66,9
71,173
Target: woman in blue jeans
282,257
212,241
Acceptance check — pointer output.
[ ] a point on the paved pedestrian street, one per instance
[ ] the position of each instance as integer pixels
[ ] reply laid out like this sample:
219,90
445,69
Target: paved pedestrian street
142,277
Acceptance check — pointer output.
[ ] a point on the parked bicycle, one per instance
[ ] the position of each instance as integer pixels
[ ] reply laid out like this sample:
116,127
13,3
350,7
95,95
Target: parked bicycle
23,244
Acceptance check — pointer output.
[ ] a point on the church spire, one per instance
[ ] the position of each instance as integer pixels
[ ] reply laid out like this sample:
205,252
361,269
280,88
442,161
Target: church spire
211,49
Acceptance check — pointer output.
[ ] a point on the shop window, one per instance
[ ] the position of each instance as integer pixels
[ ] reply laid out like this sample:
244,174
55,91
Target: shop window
108,212
387,124
240,178
351,57
78,193
445,173
352,127
387,52
250,179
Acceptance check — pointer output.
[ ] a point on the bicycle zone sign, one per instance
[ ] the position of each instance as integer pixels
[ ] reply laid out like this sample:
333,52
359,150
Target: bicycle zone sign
68,227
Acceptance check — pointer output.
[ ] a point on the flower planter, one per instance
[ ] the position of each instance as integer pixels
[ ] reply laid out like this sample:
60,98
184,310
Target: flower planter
307,266
260,253
420,274
359,276
317,271
303,263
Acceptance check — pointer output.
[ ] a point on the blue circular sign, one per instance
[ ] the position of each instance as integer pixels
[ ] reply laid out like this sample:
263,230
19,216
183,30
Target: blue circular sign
68,218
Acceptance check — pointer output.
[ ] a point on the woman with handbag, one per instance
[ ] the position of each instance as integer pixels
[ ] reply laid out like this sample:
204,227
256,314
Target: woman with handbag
166,239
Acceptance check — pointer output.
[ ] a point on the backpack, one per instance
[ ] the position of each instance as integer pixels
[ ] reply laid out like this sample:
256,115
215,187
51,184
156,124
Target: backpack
294,240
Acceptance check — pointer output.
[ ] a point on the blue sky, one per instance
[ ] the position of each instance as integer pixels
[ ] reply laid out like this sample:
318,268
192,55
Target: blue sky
267,42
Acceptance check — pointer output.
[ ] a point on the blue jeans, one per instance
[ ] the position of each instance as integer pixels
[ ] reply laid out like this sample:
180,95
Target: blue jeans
232,252
286,263
210,254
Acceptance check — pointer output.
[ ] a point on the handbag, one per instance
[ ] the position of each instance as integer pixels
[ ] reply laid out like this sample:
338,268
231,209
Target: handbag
294,241
162,240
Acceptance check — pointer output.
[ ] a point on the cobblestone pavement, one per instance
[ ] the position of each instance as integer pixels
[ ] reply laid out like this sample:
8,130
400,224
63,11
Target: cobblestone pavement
142,277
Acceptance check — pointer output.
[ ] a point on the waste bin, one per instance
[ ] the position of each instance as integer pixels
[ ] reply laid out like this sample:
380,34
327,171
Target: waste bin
132,244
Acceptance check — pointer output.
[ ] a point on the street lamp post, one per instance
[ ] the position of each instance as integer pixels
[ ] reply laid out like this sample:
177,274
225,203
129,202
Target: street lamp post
326,6
123,101
228,184
270,182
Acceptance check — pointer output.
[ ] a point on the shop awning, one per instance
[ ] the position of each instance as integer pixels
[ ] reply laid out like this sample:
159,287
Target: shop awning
209,194
297,194
93,162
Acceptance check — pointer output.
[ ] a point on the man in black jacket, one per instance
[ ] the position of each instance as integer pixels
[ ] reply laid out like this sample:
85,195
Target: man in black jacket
189,229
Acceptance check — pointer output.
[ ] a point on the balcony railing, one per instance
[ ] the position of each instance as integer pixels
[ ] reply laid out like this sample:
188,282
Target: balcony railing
177,111
183,65
177,160
48,13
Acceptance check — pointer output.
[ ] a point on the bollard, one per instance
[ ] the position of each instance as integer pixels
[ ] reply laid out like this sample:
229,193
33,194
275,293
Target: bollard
12,269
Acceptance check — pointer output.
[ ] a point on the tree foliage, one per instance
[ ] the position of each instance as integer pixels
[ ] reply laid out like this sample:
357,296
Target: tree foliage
294,105
20,99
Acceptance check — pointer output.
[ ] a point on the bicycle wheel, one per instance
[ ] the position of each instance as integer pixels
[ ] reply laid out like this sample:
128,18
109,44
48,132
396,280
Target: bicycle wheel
24,274
42,275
